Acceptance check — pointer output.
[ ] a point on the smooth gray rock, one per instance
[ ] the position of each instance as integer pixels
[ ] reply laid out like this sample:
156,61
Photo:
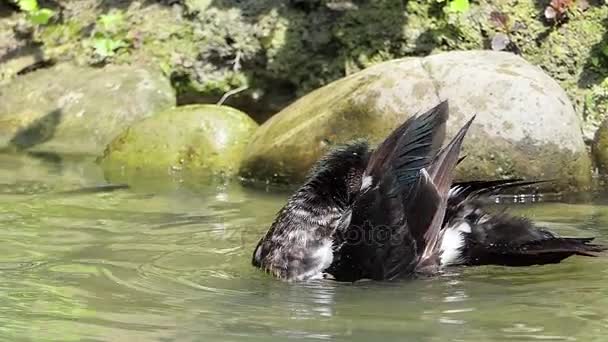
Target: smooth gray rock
525,124
78,110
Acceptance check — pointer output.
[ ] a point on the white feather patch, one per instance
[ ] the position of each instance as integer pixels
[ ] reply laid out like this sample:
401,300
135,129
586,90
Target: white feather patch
366,182
324,256
452,243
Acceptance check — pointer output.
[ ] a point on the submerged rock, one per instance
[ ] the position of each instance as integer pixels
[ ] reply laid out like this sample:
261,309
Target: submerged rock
76,110
190,143
525,124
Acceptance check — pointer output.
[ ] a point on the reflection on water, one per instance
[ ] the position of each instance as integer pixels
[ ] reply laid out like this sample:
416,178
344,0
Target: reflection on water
174,265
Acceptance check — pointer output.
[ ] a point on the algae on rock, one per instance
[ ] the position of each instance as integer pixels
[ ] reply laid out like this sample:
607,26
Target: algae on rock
188,143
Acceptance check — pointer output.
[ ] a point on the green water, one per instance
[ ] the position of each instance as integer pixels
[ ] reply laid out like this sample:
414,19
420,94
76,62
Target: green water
174,265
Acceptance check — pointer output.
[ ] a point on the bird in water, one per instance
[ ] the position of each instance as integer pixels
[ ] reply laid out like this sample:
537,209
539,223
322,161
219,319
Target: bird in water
395,212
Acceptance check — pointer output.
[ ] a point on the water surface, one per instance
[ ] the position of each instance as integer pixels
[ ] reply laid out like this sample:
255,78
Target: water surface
174,265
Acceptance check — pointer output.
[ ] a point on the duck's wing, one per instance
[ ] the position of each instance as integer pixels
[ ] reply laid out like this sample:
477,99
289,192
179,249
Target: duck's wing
474,236
442,175
384,234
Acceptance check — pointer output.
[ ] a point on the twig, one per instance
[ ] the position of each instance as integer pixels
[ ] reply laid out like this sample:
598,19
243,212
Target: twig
230,93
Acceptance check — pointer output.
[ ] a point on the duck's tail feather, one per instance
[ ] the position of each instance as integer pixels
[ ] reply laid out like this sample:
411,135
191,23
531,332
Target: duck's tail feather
441,174
539,252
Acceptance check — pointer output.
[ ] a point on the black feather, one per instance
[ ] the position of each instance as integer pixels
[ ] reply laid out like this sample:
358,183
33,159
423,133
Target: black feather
515,241
410,147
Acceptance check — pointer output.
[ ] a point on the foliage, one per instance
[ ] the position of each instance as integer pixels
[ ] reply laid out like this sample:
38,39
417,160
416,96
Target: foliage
106,47
503,39
110,35
284,49
557,9
35,14
458,6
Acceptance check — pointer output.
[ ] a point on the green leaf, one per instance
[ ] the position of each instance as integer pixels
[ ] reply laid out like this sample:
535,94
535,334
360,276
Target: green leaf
42,16
111,22
28,5
459,5
165,68
105,47
605,50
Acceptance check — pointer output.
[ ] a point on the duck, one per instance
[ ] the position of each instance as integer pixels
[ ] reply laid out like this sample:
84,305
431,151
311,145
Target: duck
395,212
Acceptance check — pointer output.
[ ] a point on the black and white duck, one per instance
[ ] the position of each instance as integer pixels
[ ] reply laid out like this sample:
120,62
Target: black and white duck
394,212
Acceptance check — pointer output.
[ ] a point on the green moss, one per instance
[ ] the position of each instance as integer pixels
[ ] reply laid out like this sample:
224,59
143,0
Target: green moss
188,143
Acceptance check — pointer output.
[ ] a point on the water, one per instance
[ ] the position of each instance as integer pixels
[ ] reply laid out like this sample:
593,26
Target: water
174,265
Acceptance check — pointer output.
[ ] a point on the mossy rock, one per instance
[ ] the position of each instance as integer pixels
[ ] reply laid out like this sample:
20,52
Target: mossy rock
192,143
525,124
78,110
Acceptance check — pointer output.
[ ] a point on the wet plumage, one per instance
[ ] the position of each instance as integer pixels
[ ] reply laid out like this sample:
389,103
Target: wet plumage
394,212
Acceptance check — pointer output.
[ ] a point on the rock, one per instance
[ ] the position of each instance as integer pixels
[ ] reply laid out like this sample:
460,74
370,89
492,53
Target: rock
75,110
525,124
189,143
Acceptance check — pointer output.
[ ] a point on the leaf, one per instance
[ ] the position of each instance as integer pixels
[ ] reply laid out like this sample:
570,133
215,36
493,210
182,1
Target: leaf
100,45
499,19
28,5
518,26
500,42
605,50
105,47
41,16
550,13
459,5
557,9
111,22
340,6
165,68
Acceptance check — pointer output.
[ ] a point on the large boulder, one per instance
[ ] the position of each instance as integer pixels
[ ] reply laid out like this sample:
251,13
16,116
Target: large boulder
194,143
525,124
77,110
